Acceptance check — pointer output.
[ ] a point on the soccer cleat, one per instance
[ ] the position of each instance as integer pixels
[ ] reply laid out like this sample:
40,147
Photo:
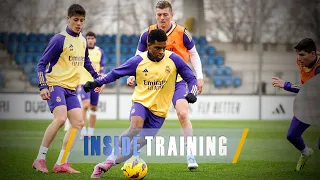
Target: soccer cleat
64,168
40,165
192,163
303,160
101,167
97,172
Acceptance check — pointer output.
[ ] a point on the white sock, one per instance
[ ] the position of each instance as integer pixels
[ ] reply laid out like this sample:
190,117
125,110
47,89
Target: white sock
188,149
90,131
66,125
305,151
42,152
94,113
113,157
60,157
84,131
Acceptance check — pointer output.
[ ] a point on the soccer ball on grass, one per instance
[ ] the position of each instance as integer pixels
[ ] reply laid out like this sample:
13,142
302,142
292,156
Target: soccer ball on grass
135,168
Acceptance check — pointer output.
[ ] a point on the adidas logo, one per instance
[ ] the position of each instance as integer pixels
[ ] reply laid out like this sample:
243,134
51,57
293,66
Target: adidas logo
71,47
279,110
145,70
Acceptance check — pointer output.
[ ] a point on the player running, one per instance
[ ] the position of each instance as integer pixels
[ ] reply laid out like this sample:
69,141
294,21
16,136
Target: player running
309,65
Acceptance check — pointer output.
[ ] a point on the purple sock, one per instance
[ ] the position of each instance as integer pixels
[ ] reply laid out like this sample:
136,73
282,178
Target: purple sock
295,131
319,143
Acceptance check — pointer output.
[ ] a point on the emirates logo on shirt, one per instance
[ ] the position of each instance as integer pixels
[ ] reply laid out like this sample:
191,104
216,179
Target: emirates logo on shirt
154,84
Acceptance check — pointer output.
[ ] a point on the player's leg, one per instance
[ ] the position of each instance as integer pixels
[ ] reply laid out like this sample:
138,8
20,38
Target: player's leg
57,105
94,99
85,107
151,126
319,143
294,135
138,114
134,130
137,117
85,102
67,123
295,132
76,120
182,108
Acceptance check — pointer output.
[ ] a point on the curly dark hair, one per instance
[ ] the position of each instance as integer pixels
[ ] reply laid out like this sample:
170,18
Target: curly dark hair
157,35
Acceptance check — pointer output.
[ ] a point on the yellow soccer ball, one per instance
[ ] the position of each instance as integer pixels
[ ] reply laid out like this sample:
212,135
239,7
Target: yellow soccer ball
135,168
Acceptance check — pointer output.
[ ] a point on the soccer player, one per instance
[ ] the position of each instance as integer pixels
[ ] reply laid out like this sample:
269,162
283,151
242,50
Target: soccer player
90,99
156,71
309,65
58,76
180,42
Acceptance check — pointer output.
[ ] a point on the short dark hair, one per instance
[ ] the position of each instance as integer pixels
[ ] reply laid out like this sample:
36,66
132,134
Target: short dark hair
157,35
90,33
163,5
307,45
76,9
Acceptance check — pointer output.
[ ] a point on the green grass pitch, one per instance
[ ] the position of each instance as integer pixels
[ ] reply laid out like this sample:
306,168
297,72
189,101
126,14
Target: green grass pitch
266,153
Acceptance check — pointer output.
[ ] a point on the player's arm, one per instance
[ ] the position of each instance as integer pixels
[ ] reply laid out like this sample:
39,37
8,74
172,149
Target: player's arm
50,56
142,47
186,73
126,69
194,55
101,70
295,88
194,58
142,44
286,85
88,65
102,62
